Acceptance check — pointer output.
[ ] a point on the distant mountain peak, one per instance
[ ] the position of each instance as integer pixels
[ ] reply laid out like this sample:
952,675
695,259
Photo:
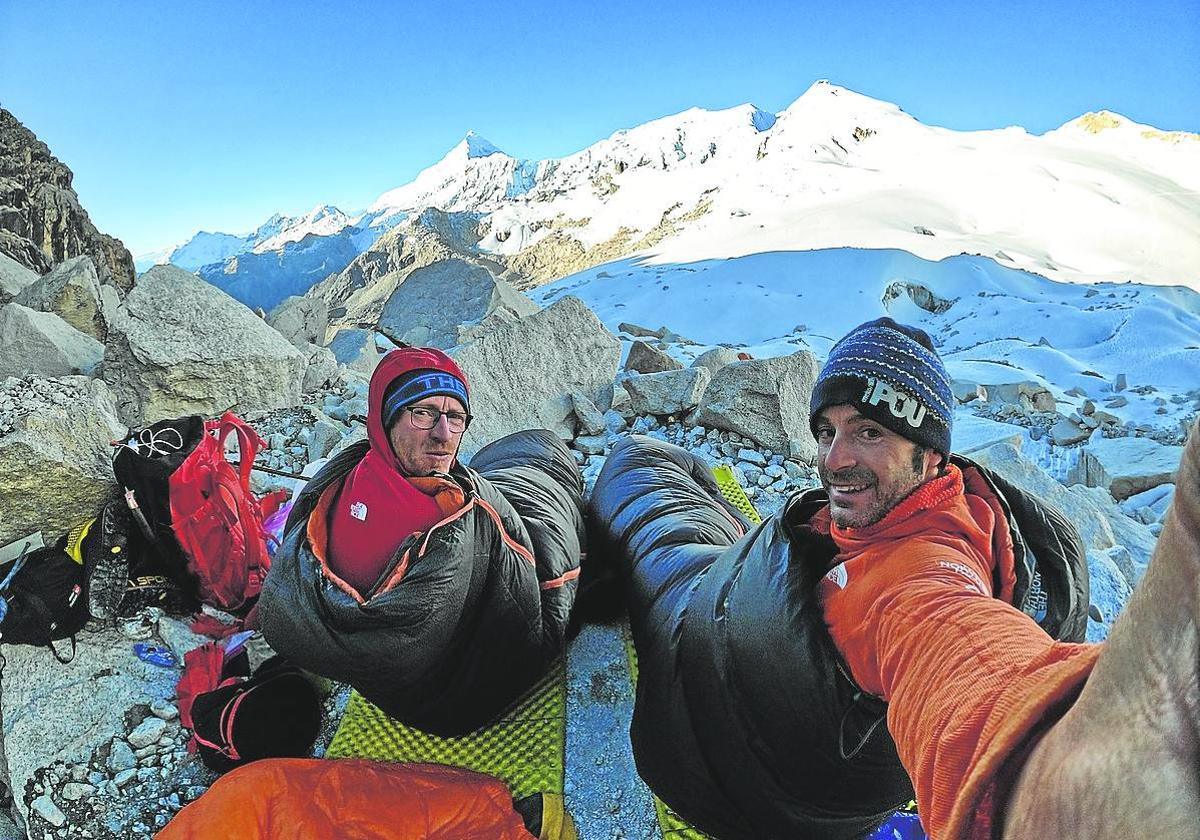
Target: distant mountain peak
1113,124
825,99
322,211
479,147
1094,122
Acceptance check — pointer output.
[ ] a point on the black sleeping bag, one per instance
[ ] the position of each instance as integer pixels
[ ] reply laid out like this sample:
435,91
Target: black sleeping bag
481,612
746,721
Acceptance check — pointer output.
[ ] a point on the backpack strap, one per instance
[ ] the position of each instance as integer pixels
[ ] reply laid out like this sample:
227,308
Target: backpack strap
1051,561
57,655
248,441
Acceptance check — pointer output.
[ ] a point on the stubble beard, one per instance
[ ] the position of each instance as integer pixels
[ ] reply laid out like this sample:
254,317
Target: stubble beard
881,504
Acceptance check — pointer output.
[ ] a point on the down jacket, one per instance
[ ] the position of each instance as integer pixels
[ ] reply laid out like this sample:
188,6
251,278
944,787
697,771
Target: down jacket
314,799
479,614
746,721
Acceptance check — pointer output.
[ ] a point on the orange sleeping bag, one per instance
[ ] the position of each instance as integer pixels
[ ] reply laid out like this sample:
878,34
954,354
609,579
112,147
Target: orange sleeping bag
353,799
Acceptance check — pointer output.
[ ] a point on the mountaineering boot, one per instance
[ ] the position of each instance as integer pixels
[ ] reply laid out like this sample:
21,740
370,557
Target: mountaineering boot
106,561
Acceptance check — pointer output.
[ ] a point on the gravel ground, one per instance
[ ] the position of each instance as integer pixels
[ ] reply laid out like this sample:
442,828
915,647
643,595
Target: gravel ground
604,793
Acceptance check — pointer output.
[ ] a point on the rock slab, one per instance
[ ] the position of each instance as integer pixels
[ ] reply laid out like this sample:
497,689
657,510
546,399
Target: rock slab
765,400
72,292
436,306
1101,524
301,319
1133,465
181,346
522,373
43,344
13,278
55,457
355,348
667,392
646,358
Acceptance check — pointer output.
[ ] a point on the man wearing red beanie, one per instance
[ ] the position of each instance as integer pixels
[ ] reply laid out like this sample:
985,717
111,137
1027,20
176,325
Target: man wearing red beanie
440,591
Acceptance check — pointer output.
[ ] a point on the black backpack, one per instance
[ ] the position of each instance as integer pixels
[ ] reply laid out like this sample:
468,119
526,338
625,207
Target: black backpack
276,713
44,599
143,464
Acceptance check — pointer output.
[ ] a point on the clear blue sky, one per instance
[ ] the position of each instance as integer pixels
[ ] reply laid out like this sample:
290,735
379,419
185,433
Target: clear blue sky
179,116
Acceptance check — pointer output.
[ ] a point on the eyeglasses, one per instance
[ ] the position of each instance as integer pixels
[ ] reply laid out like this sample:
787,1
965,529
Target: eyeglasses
424,417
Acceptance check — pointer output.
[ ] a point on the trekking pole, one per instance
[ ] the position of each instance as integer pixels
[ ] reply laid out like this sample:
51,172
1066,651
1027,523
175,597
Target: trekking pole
279,473
16,567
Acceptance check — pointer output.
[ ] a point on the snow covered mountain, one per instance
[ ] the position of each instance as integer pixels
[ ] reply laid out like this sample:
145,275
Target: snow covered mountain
283,256
206,248
322,220
1132,350
1099,199
145,260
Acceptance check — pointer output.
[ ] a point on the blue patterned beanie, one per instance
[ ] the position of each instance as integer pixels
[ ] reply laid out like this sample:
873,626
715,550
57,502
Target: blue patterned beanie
417,385
891,374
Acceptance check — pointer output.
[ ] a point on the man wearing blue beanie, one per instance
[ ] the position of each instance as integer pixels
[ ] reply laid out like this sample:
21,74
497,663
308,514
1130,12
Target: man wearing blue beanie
987,710
891,375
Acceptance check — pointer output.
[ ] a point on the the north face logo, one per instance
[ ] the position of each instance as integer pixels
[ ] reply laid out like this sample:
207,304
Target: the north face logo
436,381
440,380
901,404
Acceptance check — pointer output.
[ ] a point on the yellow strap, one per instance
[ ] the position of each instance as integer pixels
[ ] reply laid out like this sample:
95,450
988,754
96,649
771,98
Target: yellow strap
75,538
556,822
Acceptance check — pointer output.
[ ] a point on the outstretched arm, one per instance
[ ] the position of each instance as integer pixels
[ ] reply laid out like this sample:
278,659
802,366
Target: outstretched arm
1124,761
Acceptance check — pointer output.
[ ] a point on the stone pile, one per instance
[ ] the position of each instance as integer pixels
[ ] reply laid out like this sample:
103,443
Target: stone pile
131,786
1031,405
767,477
297,437
127,784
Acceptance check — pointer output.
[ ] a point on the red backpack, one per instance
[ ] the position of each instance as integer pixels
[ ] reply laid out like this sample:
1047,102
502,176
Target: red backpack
217,519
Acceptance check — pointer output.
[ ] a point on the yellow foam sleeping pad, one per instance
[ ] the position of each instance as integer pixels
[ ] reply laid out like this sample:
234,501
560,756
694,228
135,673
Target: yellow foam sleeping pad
556,822
733,492
525,748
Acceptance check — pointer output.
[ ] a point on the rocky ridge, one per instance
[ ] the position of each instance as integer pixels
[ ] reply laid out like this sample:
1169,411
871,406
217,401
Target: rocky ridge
41,220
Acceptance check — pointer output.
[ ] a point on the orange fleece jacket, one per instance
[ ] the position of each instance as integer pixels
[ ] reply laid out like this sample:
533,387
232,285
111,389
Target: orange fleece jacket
969,679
